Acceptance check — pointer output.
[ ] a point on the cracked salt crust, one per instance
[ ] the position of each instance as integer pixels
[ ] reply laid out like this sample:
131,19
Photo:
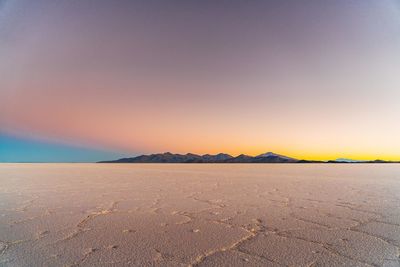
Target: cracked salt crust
199,215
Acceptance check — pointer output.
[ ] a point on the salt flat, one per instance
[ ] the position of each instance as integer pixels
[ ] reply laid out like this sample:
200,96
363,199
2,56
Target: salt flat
199,215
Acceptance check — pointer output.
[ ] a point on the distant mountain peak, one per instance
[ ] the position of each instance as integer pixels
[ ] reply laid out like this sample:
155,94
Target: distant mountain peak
268,154
348,160
272,154
217,157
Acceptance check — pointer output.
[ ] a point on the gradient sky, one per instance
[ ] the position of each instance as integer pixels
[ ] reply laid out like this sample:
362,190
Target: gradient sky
16,149
310,79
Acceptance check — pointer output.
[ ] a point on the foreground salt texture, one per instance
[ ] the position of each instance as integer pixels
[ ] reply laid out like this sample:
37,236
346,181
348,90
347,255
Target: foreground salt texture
199,215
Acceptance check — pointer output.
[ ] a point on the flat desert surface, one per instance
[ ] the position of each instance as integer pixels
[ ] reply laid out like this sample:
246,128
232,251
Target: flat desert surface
199,214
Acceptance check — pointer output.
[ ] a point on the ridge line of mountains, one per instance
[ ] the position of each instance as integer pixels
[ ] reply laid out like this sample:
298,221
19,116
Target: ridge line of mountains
268,157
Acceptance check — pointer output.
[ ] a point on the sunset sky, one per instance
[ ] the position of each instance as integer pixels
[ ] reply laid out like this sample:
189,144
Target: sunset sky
92,80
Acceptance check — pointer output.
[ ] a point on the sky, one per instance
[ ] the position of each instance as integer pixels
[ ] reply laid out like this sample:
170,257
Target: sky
90,80
17,149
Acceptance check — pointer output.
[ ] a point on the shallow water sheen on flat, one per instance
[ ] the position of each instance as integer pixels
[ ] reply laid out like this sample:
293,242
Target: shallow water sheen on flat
199,214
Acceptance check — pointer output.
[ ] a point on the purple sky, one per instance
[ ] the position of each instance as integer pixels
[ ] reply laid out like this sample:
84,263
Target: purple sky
312,79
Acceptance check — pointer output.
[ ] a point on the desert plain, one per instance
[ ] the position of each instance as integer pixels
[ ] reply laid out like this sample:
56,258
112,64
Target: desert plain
199,215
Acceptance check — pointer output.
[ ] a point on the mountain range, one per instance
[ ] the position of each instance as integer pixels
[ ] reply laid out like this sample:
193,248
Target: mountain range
268,157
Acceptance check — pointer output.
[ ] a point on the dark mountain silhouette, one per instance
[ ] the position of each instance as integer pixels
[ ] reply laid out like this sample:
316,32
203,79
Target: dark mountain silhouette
268,157
241,159
271,157
216,158
193,158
